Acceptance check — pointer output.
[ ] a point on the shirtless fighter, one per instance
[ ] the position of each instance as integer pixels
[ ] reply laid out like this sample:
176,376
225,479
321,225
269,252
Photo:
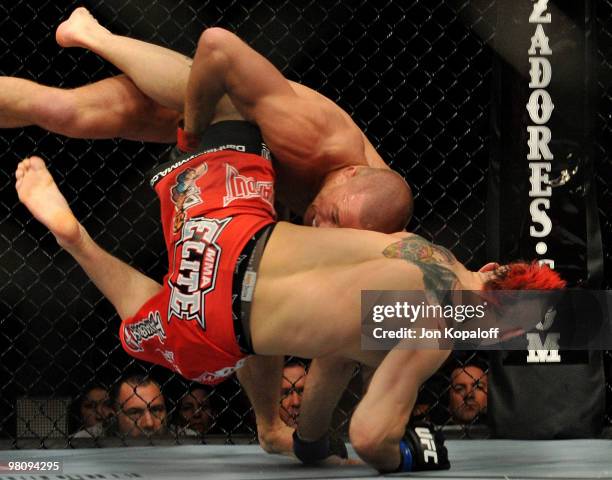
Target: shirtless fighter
292,281
323,160
327,170
289,280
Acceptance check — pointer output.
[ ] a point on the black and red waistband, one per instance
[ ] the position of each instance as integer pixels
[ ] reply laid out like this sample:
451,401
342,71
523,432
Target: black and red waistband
236,135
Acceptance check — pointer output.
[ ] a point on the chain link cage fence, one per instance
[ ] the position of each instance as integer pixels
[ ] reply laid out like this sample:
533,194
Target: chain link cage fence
413,74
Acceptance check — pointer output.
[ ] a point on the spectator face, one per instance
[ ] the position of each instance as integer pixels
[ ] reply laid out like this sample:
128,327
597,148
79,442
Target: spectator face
195,411
95,407
468,393
141,410
294,377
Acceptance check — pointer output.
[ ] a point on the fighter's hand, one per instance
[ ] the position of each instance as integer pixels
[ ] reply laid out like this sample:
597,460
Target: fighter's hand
425,449
335,461
329,450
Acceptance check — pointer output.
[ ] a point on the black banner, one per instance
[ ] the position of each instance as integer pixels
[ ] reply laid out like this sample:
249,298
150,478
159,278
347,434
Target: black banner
541,205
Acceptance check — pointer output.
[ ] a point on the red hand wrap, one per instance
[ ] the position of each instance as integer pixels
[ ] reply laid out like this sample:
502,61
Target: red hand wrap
186,141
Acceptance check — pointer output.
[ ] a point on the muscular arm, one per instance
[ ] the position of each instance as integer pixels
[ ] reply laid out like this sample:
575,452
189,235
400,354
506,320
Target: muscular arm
326,381
372,157
260,378
387,405
225,64
297,129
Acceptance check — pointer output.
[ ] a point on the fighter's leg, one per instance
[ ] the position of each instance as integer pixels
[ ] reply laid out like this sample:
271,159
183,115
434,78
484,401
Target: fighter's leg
113,107
125,287
380,420
260,378
160,73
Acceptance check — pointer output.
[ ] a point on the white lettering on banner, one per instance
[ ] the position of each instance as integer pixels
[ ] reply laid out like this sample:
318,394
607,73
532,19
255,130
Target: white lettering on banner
539,41
543,353
538,178
538,9
540,108
540,217
540,72
538,143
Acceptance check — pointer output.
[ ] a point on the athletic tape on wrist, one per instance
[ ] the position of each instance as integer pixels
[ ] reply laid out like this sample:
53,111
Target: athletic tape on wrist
186,142
311,452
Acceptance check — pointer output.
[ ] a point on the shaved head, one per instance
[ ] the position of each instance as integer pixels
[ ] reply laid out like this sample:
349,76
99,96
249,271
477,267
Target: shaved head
388,203
362,197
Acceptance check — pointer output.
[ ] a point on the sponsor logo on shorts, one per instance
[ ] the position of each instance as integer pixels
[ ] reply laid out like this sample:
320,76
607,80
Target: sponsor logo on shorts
213,377
169,357
162,173
240,187
196,259
185,193
137,333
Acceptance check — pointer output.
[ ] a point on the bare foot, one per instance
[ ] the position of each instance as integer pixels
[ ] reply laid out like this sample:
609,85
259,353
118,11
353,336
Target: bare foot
39,193
80,30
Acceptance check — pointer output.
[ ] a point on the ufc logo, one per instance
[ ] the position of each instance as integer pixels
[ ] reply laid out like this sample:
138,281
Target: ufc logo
428,443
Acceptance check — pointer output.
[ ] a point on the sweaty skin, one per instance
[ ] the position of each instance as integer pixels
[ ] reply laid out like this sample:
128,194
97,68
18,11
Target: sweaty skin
147,104
305,277
162,75
431,260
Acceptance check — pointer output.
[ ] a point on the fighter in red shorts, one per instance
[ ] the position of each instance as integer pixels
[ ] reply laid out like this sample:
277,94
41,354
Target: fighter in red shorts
327,170
295,280
293,290
213,254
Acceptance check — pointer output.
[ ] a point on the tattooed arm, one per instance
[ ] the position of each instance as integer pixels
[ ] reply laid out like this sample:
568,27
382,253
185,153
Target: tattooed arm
434,261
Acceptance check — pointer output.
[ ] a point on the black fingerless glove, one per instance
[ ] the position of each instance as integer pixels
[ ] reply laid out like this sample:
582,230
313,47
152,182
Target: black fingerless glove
423,449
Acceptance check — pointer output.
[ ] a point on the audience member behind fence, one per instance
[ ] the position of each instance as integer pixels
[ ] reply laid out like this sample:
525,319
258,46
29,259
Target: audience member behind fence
468,394
140,408
294,378
91,412
194,415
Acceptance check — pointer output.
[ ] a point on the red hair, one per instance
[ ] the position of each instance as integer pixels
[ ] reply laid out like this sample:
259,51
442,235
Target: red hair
525,276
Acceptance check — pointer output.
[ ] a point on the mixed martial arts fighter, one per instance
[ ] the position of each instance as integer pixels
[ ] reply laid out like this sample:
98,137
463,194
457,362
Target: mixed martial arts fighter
327,169
330,165
240,283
